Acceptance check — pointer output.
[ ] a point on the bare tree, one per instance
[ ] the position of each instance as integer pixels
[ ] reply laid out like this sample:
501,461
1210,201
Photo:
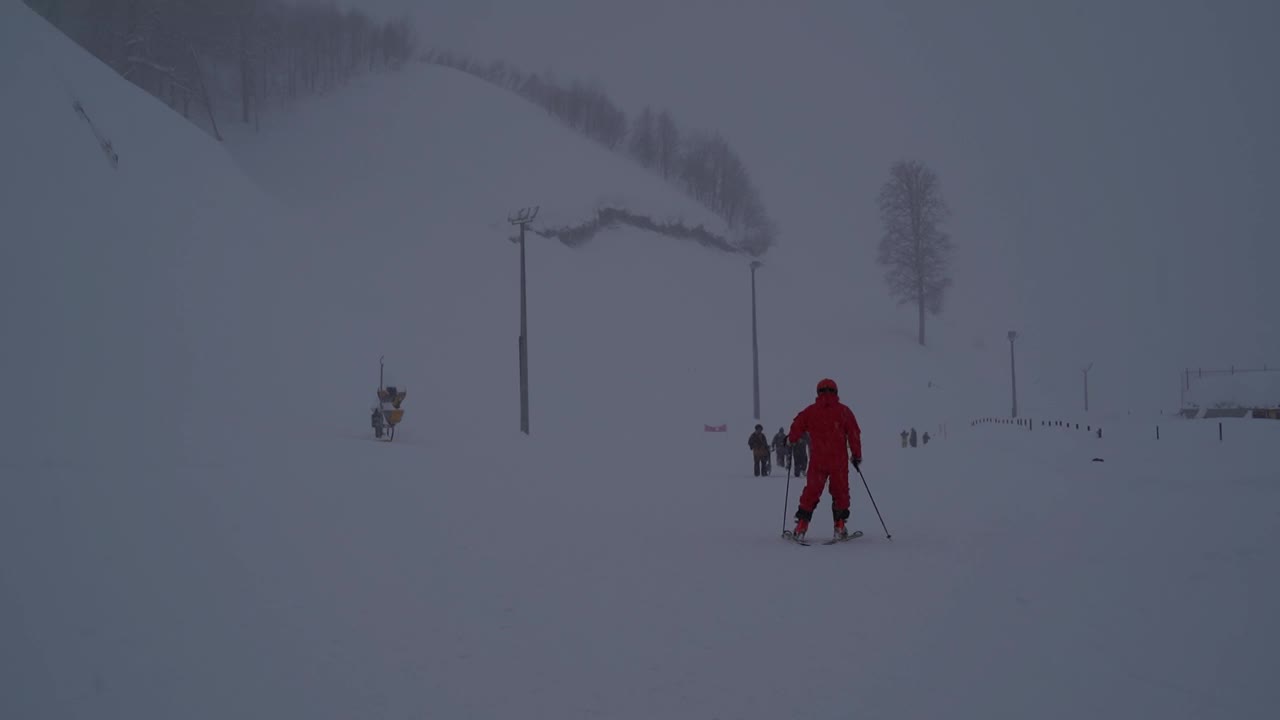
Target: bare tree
667,140
643,144
204,95
914,250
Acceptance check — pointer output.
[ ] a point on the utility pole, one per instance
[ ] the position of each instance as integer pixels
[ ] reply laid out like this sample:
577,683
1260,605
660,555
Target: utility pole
522,219
755,343
1086,386
1013,372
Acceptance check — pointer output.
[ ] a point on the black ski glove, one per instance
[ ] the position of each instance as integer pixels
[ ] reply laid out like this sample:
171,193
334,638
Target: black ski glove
857,462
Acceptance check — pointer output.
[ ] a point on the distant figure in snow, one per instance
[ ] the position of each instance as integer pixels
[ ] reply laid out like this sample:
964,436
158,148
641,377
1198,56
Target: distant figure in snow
781,448
759,445
836,438
925,438
904,438
800,455
913,437
376,421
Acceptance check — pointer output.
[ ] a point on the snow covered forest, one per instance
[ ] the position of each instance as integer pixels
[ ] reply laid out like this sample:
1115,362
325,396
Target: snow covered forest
701,163
215,60
230,60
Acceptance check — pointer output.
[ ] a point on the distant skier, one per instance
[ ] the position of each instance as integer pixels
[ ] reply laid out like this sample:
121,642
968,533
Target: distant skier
759,445
781,448
377,423
925,438
834,433
800,455
904,438
913,437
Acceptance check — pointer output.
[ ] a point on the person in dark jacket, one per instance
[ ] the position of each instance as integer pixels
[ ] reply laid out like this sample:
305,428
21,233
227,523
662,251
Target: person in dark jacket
376,422
759,445
913,437
800,455
837,441
782,449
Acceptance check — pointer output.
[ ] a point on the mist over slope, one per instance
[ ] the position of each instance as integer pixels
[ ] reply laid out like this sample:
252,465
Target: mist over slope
438,146
1108,169
195,521
419,171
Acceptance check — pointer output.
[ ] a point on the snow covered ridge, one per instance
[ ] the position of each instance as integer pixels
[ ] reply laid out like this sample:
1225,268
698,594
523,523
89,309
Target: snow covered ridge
701,164
215,61
609,218
456,156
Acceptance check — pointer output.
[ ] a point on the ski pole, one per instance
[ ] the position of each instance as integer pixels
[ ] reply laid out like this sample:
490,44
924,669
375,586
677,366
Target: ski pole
887,536
786,503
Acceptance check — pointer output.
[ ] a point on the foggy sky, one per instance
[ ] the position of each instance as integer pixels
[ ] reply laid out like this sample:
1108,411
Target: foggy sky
1108,163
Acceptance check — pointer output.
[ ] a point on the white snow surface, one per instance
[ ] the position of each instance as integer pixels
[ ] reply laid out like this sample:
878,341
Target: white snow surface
196,523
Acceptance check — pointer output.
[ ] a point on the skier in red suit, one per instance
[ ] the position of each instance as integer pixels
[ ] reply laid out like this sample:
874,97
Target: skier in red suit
834,438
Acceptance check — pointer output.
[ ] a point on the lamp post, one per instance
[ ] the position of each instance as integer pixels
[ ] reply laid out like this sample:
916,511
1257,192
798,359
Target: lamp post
755,343
522,219
1013,372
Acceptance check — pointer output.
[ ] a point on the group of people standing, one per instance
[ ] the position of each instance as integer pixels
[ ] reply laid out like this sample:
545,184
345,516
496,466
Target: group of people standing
910,438
791,457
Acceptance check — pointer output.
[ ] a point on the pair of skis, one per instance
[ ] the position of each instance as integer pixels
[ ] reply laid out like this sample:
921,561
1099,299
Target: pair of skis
788,535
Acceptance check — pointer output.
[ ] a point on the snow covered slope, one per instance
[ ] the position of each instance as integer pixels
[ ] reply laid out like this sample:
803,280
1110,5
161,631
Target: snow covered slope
409,179
477,152
132,294
195,523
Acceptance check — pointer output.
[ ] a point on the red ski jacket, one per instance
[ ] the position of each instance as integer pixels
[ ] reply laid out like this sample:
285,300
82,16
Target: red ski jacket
832,428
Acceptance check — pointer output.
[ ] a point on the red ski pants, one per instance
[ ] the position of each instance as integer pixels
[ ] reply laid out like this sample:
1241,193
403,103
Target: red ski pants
817,478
